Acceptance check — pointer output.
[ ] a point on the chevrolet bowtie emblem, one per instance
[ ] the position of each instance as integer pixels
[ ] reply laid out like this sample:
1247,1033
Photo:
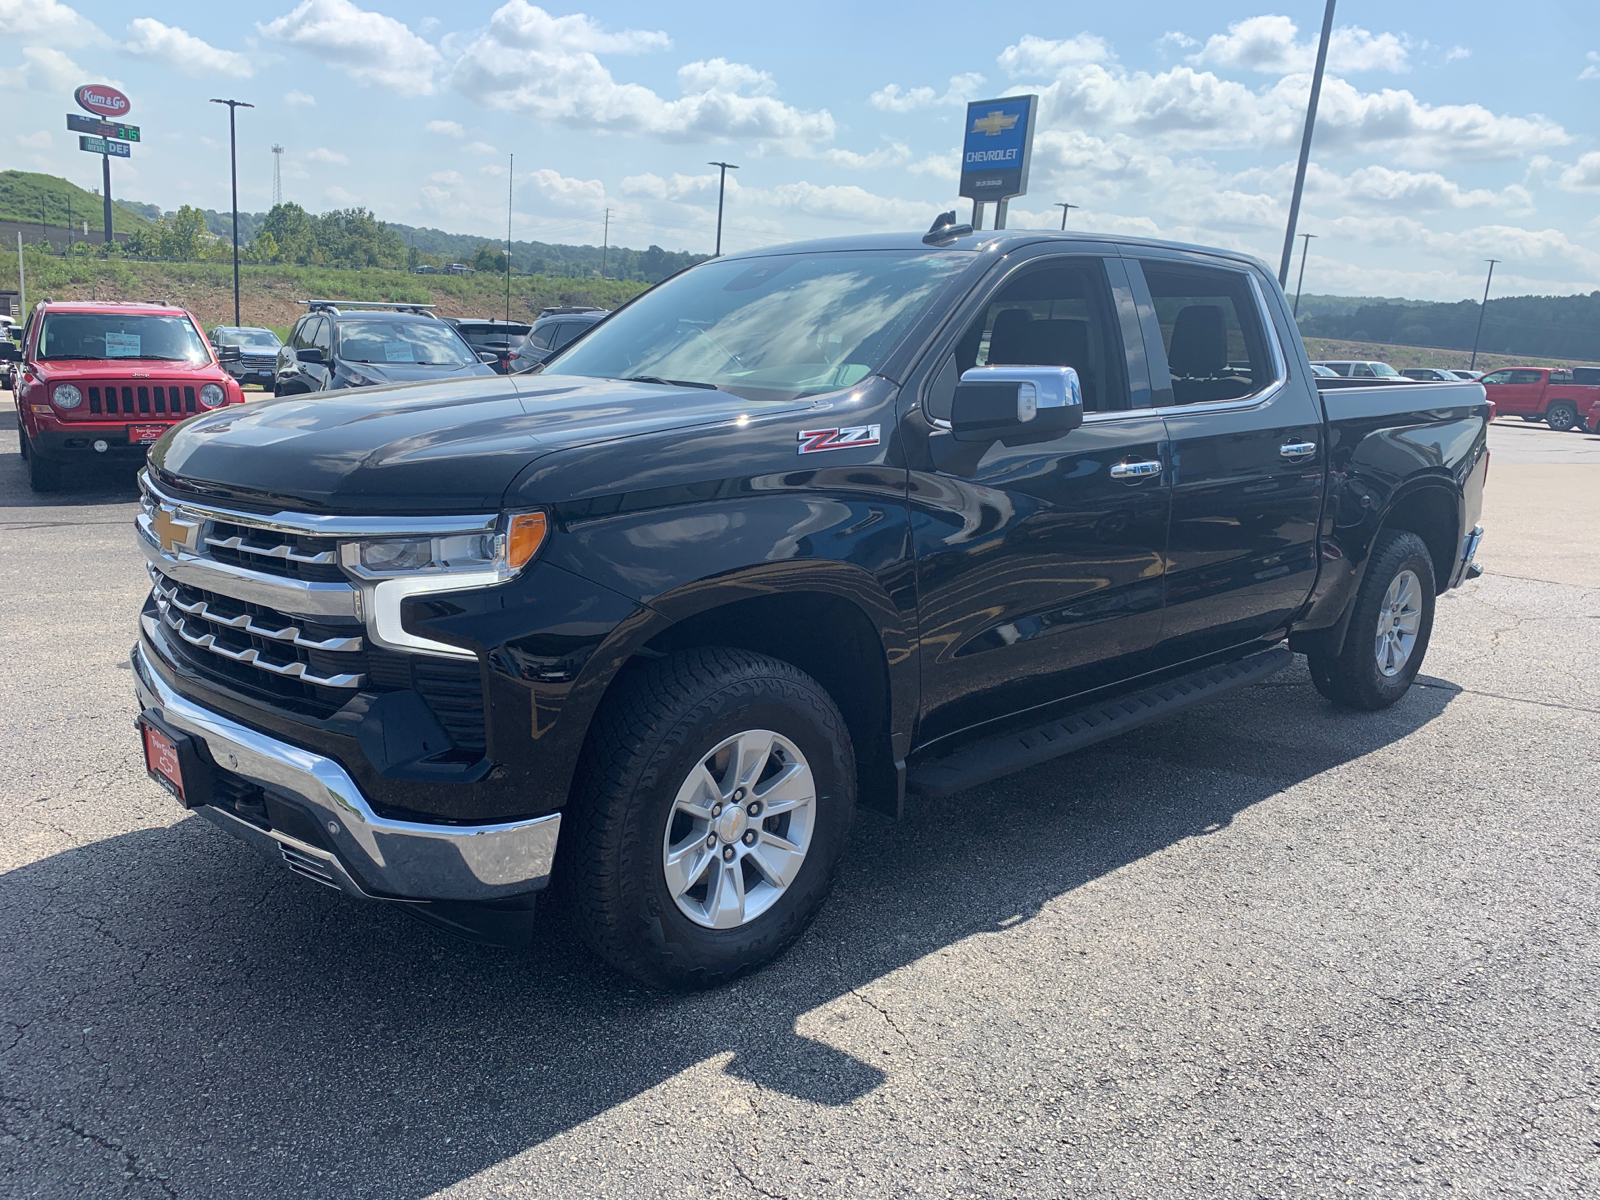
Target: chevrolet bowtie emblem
994,124
173,533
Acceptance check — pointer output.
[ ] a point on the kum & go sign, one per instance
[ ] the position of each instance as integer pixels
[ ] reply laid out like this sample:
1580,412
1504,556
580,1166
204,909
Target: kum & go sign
102,100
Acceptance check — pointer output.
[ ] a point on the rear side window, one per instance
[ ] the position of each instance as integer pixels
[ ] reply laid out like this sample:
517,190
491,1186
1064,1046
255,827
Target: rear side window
565,332
1210,330
540,337
1560,376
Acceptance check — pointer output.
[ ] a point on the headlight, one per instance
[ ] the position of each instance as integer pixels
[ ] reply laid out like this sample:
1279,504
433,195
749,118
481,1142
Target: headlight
392,570
212,395
66,396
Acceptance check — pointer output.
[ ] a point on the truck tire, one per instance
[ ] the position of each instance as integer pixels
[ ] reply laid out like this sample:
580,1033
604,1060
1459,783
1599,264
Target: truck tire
1389,629
1561,416
677,872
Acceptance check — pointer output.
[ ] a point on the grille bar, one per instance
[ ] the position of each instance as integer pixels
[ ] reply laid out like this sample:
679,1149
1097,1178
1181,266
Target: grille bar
250,655
246,623
279,550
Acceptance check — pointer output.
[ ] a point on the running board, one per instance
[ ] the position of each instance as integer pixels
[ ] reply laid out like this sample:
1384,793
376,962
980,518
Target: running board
997,756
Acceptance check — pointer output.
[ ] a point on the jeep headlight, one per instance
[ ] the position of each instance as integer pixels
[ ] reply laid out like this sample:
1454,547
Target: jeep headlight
66,396
392,570
212,395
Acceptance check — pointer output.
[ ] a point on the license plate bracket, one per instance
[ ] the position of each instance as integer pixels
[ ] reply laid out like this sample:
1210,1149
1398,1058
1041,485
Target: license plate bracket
144,435
174,760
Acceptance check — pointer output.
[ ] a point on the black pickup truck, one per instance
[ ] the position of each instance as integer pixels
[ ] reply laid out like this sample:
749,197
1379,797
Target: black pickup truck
795,531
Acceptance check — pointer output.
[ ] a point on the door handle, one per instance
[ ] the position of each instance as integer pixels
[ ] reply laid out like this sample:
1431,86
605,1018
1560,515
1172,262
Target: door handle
1298,450
1138,470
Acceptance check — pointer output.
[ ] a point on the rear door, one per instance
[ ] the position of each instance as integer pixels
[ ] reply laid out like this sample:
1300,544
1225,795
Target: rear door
1247,459
1039,558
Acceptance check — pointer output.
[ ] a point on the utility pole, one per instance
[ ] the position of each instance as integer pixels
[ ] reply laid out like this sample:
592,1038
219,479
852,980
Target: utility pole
605,244
1305,144
722,188
1482,308
1301,282
1065,209
68,249
277,175
233,160
511,183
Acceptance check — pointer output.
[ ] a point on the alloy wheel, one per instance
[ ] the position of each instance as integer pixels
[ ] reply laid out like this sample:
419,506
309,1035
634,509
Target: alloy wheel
1398,622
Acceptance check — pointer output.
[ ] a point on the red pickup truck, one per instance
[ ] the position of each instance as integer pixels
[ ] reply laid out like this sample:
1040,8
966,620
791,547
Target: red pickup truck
1547,394
101,381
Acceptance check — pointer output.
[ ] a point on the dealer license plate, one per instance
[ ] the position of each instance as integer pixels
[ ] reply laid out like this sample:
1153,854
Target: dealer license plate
161,760
143,435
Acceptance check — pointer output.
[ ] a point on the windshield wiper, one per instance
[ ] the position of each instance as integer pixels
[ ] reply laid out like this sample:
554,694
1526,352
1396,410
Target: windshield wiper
694,383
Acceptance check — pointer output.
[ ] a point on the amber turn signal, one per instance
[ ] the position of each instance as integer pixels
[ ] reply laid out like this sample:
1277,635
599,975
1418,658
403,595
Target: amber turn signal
524,538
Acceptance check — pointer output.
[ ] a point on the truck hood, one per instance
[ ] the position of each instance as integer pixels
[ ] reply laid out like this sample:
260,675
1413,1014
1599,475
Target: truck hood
435,448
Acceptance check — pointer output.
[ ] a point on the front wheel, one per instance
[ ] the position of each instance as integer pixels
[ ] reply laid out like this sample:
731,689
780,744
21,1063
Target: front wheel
43,474
1561,416
1389,629
712,807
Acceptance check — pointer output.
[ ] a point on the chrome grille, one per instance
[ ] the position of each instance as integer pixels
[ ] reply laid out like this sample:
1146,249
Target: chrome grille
302,863
293,555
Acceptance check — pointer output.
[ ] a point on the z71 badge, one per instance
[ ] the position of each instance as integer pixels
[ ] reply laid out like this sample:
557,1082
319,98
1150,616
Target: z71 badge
813,441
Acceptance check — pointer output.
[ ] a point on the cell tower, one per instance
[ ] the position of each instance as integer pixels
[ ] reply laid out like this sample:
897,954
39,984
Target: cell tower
277,175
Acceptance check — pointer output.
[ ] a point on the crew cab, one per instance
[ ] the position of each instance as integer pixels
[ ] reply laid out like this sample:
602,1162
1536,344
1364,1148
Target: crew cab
795,531
99,382
1548,394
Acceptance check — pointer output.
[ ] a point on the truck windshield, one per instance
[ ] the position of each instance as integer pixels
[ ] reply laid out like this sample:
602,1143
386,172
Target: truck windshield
772,328
100,336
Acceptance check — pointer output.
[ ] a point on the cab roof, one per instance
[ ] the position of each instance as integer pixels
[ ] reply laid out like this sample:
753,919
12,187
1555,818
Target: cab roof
135,308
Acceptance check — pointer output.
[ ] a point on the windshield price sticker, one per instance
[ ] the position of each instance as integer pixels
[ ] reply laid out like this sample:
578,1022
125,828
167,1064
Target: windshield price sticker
122,345
998,147
397,352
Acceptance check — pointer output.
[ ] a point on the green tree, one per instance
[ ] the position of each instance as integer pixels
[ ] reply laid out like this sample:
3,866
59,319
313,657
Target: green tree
262,249
179,234
293,232
490,259
353,237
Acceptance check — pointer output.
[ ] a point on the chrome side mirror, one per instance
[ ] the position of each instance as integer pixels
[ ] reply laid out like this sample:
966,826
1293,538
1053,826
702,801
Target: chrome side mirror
991,402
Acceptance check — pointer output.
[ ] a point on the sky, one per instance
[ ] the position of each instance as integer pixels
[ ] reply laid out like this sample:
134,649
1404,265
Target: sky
1447,133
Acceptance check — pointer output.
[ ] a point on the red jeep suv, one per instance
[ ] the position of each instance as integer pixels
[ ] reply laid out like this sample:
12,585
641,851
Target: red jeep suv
101,381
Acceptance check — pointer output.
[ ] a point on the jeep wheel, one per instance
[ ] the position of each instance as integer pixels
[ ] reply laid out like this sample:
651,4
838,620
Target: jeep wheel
711,810
43,475
1561,416
1389,628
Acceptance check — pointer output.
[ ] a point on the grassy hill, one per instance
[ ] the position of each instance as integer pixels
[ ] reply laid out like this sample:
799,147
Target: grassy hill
1401,357
28,196
268,295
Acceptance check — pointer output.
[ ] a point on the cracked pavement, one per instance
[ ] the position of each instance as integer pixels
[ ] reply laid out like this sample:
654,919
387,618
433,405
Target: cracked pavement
1267,948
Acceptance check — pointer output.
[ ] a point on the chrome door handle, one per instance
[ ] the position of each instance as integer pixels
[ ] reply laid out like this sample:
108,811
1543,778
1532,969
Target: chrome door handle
1298,450
1138,470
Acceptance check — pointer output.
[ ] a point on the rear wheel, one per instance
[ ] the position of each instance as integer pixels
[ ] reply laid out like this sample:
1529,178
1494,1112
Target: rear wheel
712,808
1389,629
1561,416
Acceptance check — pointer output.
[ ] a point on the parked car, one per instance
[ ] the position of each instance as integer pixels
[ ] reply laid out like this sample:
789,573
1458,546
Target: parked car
258,352
1352,369
551,332
501,338
99,381
9,332
1594,418
1551,395
795,531
1467,376
351,344
1322,372
1430,375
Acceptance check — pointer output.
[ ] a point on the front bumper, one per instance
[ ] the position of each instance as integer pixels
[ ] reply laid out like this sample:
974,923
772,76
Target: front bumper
76,444
371,856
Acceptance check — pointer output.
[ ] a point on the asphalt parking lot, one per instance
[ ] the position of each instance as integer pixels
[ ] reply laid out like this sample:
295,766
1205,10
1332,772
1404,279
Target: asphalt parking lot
1268,948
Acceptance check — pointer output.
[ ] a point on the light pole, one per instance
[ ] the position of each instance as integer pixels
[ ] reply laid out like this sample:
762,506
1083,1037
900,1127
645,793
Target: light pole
1482,308
233,164
1305,144
722,187
1065,209
1301,282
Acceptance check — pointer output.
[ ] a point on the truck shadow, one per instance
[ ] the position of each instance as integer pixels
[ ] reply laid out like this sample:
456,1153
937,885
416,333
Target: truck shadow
228,1029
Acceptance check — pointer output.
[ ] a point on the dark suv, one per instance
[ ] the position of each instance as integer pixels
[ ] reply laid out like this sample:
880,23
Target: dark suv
501,338
349,344
552,331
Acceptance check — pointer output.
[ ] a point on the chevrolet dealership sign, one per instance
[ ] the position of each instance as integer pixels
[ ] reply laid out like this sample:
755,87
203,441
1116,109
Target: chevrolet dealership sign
998,148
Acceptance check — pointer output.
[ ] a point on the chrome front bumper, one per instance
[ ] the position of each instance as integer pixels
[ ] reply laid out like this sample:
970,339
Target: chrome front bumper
393,860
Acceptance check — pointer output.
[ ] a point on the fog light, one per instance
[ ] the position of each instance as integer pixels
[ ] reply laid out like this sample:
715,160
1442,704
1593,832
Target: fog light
101,446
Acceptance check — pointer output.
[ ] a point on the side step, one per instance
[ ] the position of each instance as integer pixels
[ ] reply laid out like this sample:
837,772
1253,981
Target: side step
997,756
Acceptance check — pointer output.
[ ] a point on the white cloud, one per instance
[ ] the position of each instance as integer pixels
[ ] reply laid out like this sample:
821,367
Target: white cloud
47,21
939,166
962,89
1268,44
371,48
1036,55
528,61
339,196
1584,175
34,141
323,155
299,100
1173,38
447,128
479,148
891,155
721,75
43,69
1592,71
1456,52
149,39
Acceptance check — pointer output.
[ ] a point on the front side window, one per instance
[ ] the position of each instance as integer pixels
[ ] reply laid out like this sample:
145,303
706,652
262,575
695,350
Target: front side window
100,337
1526,377
772,328
379,341
1494,377
304,332
1385,370
1363,371
1211,332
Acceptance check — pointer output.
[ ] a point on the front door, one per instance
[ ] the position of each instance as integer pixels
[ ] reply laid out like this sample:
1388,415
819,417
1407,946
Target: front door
1247,459
1038,558
1515,391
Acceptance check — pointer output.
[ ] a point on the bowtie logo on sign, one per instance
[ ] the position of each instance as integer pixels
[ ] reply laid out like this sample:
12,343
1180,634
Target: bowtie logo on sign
994,124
